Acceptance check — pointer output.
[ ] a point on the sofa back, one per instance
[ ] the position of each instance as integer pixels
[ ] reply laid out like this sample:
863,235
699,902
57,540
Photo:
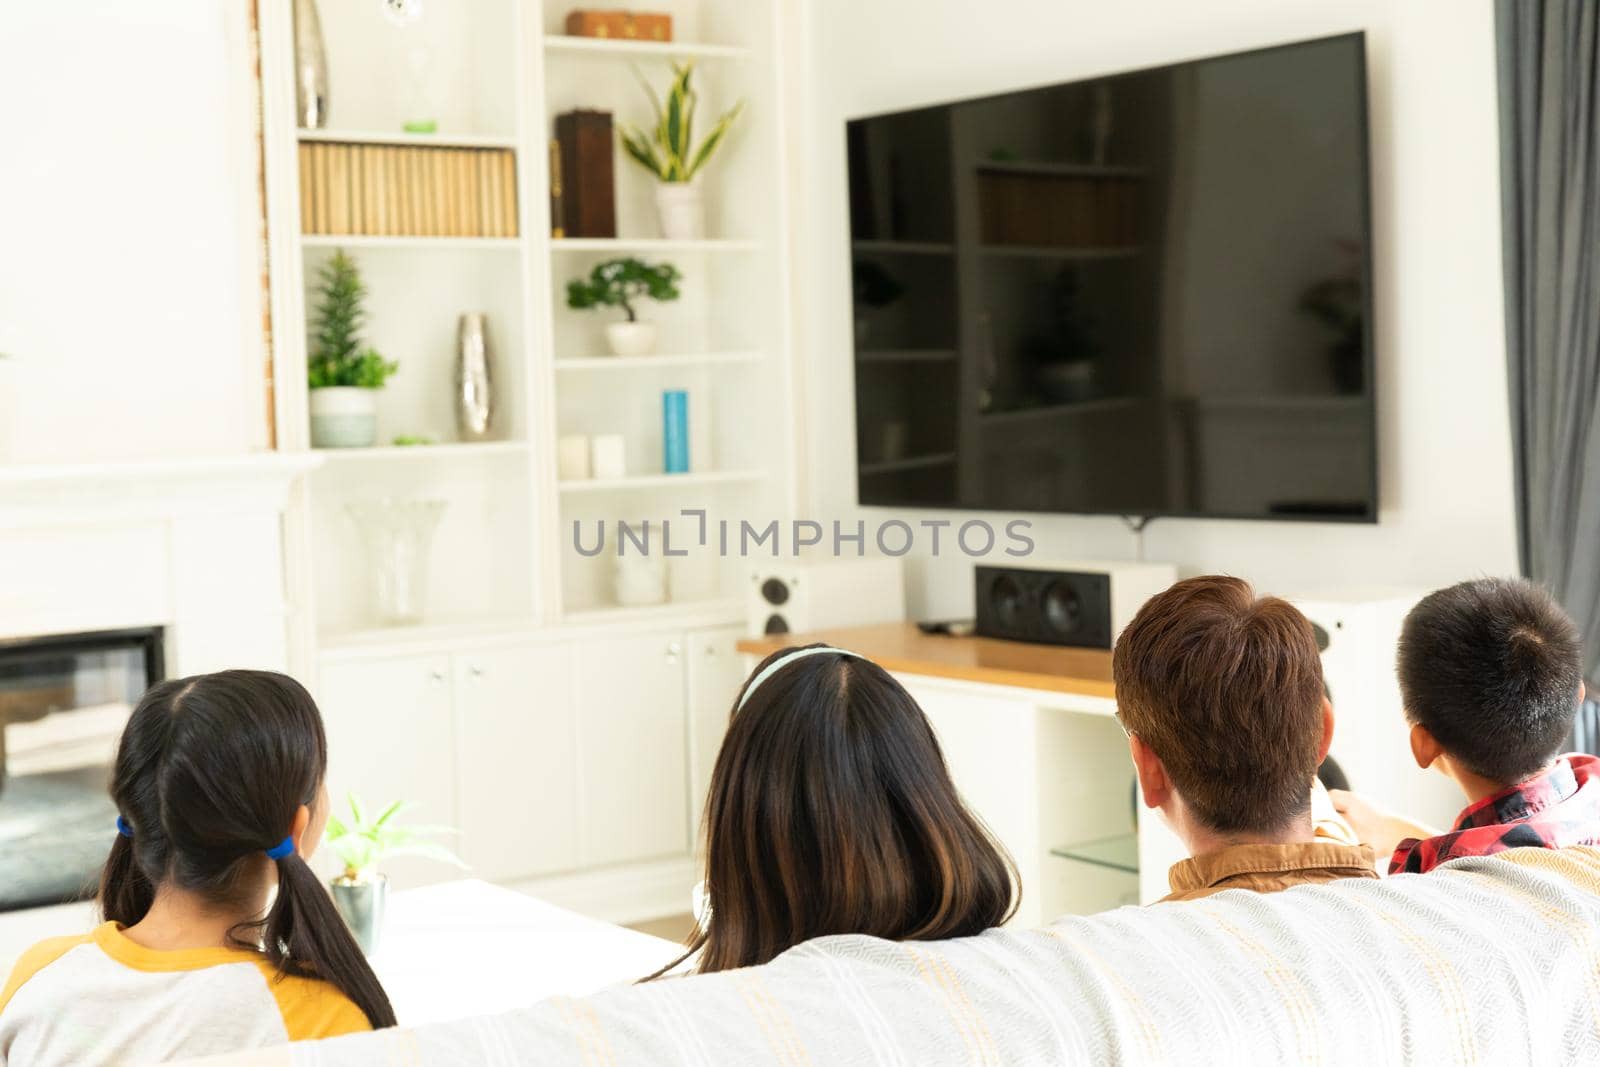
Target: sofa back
1487,960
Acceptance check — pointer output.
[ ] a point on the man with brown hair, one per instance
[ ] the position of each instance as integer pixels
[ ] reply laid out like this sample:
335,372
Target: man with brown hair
1221,694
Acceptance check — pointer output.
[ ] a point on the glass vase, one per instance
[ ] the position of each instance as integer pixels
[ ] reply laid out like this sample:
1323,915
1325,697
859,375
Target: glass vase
398,537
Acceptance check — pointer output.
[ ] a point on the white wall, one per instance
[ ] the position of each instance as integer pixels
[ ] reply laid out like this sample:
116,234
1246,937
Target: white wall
1444,453
126,232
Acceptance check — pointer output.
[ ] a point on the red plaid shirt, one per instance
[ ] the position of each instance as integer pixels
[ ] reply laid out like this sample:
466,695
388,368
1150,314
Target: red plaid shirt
1558,808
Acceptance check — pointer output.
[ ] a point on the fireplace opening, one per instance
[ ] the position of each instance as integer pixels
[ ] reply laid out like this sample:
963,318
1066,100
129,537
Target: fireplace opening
64,701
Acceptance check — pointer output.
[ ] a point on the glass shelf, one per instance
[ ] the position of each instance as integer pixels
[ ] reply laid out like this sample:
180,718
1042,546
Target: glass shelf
1119,853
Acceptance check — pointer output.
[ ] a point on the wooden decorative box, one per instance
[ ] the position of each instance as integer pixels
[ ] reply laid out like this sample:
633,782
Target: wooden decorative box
621,25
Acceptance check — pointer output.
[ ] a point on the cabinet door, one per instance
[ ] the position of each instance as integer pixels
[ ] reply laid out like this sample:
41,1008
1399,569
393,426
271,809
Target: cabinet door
716,670
632,749
515,759
390,738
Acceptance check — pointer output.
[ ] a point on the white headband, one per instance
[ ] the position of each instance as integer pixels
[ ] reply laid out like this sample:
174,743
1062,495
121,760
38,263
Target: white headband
783,661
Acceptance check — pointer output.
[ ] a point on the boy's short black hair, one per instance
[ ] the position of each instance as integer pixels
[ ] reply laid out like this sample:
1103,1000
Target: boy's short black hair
1491,668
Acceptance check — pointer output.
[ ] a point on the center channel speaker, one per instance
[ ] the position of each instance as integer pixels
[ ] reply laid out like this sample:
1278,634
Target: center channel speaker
1080,605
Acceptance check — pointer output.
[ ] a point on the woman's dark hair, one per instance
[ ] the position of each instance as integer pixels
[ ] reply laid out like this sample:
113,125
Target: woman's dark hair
209,774
831,811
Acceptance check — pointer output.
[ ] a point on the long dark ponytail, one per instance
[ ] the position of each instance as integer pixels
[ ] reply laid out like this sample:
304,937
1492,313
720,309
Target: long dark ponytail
209,774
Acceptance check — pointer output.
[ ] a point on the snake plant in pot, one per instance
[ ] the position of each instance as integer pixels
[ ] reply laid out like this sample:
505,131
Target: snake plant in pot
669,152
361,892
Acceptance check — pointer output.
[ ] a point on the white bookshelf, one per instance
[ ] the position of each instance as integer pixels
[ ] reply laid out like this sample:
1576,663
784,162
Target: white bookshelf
496,73
601,48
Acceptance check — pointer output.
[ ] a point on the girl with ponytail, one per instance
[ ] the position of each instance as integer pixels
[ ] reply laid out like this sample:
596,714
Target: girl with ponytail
218,937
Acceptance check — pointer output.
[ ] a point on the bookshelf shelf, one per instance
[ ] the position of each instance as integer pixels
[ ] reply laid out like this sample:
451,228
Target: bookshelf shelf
661,481
687,359
650,244
355,240
713,609
594,47
445,450
427,140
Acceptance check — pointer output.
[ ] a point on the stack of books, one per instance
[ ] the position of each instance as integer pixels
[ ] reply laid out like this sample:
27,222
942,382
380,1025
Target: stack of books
381,190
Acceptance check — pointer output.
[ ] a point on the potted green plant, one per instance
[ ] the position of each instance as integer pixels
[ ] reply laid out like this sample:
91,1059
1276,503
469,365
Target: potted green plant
344,375
668,151
361,892
620,283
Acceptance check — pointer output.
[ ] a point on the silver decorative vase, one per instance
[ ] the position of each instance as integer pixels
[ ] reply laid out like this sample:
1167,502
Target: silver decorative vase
362,902
474,383
310,67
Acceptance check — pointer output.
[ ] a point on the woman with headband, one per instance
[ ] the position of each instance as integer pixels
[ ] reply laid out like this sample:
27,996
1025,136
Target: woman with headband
831,811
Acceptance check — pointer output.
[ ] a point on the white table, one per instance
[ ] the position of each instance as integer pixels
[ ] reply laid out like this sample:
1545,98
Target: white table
470,948
452,950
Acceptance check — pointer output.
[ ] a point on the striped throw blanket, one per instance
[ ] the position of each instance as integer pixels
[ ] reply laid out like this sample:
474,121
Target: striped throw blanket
1485,961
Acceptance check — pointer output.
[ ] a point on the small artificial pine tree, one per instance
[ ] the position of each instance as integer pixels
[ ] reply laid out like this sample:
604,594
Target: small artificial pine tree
337,356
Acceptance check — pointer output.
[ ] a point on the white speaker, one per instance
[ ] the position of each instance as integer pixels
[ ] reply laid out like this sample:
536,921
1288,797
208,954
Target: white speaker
1371,739
794,596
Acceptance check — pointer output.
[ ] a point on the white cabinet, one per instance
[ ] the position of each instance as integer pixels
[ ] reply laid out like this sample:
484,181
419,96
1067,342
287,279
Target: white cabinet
716,670
516,748
549,755
632,748
390,737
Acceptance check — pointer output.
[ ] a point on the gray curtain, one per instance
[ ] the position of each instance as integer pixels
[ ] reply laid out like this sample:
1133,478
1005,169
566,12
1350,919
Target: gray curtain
1550,192
1549,74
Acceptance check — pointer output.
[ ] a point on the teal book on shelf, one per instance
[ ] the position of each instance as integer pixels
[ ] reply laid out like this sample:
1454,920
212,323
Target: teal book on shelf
675,431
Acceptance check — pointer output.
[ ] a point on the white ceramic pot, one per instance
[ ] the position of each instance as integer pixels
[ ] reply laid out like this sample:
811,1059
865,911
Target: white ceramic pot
344,416
681,211
631,338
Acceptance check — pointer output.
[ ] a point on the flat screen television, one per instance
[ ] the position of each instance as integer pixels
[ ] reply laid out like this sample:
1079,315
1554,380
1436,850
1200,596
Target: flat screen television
1147,294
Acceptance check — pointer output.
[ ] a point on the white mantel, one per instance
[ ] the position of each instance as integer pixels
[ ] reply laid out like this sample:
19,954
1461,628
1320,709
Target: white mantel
196,546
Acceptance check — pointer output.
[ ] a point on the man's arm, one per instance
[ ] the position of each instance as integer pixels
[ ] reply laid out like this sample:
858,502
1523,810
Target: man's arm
1377,826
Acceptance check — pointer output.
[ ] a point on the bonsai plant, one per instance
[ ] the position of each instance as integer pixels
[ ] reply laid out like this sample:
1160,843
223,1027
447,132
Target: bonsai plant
361,893
620,283
342,372
668,152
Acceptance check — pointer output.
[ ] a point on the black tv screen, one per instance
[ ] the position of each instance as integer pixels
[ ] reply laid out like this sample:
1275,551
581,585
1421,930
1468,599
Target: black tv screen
1146,294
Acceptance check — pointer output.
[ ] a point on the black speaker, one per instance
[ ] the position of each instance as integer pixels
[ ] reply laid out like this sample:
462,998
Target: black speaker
1047,607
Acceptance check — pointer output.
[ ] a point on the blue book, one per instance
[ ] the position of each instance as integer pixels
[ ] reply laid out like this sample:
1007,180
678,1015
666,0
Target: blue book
675,430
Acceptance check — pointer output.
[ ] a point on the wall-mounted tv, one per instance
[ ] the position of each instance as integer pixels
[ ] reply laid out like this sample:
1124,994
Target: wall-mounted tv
1146,294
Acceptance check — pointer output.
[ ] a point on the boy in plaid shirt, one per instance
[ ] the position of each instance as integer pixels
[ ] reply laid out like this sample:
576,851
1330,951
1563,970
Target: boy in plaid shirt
1490,672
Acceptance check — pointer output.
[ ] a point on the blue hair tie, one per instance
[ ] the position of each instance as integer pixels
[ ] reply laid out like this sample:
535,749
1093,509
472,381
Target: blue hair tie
281,849
123,828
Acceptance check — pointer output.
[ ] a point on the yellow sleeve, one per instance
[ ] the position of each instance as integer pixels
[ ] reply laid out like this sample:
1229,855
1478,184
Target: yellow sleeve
37,959
312,1008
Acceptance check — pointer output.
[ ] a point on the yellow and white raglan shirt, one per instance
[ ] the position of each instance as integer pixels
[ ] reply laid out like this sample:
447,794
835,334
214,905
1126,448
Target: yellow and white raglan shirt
101,998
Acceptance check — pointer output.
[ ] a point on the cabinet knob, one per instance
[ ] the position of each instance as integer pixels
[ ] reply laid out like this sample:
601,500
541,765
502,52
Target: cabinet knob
673,650
436,677
475,670
711,650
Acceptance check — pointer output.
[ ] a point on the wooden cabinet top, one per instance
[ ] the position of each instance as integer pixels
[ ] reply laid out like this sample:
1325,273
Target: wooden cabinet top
902,648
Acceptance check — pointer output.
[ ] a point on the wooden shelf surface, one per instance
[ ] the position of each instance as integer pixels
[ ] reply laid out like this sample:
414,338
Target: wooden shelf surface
901,647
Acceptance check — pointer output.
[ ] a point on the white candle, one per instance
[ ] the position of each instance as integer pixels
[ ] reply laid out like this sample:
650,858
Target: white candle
572,458
607,457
